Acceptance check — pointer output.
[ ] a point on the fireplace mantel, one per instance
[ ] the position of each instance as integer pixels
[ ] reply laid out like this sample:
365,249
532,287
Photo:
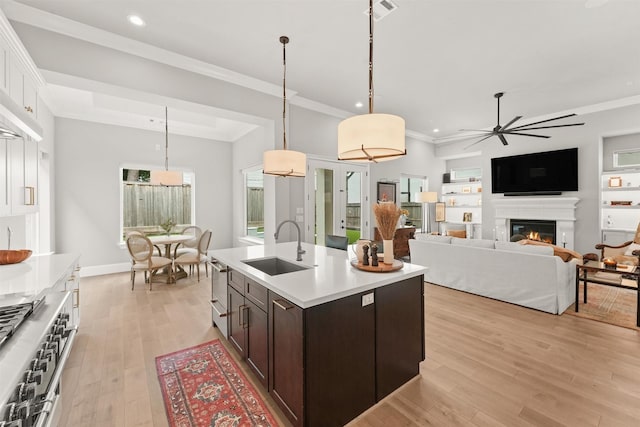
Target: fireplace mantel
559,209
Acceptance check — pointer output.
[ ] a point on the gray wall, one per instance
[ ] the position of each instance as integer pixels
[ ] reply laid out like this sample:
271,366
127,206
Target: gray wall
88,158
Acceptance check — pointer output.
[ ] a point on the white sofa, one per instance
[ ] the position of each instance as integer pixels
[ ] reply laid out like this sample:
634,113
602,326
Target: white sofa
527,275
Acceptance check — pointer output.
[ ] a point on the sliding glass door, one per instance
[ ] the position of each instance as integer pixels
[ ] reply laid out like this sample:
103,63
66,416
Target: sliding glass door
336,200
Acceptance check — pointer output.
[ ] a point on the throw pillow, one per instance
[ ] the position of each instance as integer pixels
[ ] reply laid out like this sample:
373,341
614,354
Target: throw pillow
530,249
632,247
457,233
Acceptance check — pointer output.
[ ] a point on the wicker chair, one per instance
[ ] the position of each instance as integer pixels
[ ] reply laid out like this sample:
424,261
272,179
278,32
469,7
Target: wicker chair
142,259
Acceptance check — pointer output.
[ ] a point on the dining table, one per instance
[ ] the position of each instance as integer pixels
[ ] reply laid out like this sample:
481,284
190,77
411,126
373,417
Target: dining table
168,240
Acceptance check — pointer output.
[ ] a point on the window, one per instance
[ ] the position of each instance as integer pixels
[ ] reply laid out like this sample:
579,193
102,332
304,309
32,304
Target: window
153,198
409,186
254,212
626,158
464,174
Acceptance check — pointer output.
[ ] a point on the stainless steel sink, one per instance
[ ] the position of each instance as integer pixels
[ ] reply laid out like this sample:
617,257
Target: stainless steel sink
274,266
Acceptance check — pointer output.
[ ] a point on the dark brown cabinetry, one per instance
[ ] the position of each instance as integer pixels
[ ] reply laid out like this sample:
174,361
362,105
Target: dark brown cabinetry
331,362
248,322
400,240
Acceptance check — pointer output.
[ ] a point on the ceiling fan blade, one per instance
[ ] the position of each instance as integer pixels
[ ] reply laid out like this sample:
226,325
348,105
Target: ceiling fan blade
503,139
479,141
527,134
476,130
515,119
547,127
544,121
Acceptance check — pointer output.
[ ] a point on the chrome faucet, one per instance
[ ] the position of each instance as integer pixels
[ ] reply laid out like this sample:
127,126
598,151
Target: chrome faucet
300,250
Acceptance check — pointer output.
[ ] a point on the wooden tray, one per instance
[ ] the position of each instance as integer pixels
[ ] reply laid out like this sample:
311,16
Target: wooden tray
381,268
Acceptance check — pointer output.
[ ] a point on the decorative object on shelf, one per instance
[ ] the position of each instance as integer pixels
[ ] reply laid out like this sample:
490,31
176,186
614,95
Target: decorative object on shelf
14,256
387,215
615,181
500,131
284,162
386,192
466,217
466,190
479,190
440,212
371,137
426,197
621,203
168,225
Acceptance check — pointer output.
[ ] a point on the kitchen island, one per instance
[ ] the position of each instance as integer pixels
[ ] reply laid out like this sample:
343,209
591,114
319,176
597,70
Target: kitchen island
327,341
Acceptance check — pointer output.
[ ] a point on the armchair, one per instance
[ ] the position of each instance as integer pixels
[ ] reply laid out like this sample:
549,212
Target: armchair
625,253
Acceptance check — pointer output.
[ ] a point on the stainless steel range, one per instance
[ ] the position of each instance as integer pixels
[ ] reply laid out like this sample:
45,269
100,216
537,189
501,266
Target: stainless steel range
35,341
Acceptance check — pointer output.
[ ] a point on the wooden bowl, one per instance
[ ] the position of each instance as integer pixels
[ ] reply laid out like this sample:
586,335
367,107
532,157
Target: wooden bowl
14,256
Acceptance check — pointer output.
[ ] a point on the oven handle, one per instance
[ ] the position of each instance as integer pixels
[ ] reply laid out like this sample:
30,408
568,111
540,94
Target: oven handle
55,380
219,267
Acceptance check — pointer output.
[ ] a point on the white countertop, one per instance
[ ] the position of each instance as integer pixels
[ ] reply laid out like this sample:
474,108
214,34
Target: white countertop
27,280
330,277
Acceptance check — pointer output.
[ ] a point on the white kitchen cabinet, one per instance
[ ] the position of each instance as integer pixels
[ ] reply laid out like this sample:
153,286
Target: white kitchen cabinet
23,183
22,88
5,194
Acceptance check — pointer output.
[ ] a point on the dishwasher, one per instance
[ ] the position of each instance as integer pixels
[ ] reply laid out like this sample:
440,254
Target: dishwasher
219,295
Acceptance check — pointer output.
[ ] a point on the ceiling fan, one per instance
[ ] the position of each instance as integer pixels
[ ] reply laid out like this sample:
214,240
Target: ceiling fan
500,131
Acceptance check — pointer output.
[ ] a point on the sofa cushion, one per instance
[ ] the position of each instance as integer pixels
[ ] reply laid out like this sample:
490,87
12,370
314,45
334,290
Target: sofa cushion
433,238
476,243
530,249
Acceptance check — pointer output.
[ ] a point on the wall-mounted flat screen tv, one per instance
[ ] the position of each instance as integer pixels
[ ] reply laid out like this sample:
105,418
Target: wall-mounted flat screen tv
543,173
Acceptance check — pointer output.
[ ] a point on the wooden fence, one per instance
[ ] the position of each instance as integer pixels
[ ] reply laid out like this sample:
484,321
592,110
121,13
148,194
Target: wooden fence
149,205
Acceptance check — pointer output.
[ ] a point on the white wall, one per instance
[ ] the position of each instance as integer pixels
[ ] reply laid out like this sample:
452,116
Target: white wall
88,158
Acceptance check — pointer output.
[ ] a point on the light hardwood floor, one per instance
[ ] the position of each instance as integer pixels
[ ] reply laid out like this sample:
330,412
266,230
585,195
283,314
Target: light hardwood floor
487,363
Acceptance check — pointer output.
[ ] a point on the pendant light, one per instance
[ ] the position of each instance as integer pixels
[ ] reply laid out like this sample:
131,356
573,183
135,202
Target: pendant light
284,162
167,177
371,137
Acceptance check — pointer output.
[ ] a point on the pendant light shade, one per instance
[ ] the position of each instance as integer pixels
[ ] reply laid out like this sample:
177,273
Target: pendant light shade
284,162
371,137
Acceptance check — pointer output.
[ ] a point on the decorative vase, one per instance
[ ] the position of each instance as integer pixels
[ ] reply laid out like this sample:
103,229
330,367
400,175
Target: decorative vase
402,221
387,246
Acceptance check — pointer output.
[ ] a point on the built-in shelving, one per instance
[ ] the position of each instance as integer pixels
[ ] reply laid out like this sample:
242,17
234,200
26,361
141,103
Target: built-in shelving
463,206
618,222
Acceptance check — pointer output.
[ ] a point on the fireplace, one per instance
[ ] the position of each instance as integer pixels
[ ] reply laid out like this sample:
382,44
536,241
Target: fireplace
534,229
562,210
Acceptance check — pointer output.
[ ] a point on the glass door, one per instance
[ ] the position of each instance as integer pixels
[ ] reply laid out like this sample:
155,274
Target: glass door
337,201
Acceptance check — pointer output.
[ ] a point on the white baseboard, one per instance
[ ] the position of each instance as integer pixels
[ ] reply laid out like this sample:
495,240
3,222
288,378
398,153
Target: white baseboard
99,270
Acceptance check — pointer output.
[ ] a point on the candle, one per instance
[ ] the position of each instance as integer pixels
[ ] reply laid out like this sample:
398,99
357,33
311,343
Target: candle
494,234
563,238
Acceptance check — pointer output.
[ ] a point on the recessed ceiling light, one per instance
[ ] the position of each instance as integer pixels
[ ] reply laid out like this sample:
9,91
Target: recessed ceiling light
358,104
136,20
436,130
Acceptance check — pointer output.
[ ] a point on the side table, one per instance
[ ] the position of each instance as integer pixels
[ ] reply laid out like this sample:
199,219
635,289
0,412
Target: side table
595,272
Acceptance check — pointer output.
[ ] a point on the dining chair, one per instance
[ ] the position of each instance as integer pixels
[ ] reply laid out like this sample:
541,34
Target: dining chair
196,259
337,242
142,259
191,245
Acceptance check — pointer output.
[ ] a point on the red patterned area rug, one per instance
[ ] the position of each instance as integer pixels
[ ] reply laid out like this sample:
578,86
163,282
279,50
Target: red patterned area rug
608,304
203,386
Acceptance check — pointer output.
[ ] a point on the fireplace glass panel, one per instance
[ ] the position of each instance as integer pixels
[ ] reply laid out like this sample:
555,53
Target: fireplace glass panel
542,230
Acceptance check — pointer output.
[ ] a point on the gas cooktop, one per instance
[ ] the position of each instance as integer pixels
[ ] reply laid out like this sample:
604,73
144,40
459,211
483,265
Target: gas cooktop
12,316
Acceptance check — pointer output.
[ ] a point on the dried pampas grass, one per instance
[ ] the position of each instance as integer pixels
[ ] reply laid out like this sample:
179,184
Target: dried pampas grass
387,215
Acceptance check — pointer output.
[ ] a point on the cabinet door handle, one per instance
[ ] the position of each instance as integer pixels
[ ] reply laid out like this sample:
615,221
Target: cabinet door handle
240,315
212,303
76,291
245,319
277,303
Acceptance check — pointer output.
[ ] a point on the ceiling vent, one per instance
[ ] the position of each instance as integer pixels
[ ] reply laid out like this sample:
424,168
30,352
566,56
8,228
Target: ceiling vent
381,8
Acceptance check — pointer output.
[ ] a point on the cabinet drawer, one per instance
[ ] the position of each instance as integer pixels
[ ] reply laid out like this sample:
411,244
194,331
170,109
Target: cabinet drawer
236,280
257,293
